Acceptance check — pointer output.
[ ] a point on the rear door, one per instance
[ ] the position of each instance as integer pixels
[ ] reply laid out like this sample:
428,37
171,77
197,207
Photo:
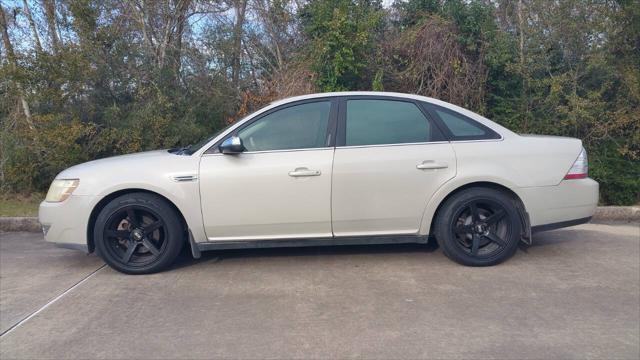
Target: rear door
389,160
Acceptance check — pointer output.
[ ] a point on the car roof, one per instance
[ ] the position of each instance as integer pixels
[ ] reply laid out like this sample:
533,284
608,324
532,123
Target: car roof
398,95
431,100
355,93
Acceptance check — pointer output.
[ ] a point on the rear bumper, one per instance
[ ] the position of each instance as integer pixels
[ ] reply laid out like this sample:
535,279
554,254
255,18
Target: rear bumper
570,201
65,223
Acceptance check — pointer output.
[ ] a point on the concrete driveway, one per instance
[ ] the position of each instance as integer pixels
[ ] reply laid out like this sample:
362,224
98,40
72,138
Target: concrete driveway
575,294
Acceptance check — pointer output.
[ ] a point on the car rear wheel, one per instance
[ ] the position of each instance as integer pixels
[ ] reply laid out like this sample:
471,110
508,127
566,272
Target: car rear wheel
138,233
478,227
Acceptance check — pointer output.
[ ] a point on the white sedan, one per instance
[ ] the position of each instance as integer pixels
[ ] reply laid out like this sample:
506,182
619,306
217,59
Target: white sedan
327,169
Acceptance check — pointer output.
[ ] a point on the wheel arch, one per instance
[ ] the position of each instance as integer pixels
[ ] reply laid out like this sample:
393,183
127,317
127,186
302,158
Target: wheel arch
430,217
107,198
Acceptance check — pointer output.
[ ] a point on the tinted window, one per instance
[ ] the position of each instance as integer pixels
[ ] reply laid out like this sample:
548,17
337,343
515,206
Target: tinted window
461,127
372,122
295,127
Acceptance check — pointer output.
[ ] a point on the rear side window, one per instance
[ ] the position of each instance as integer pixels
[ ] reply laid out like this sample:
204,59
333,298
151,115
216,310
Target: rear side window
375,122
462,127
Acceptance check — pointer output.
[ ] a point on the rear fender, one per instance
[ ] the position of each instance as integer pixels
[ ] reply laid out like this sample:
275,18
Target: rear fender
457,184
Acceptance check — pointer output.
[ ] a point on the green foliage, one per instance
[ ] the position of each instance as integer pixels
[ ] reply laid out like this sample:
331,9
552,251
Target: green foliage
377,81
619,178
342,34
475,21
118,84
412,12
12,205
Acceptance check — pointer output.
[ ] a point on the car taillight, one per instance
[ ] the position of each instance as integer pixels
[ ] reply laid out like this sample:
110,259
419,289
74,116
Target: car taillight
580,168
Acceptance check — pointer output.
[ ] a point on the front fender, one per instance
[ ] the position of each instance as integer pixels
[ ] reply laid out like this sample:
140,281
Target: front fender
183,194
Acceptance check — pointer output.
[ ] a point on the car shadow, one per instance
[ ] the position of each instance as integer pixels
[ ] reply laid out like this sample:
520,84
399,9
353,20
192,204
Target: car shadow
553,237
186,259
565,236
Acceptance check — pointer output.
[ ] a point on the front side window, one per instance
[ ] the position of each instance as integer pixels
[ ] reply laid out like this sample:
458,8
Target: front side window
301,126
375,122
462,127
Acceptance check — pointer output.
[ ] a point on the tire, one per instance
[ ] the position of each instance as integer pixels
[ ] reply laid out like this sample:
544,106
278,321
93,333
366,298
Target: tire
138,233
478,227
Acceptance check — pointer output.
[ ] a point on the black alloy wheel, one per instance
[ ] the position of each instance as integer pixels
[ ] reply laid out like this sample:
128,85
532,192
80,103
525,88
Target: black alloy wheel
135,235
479,227
138,233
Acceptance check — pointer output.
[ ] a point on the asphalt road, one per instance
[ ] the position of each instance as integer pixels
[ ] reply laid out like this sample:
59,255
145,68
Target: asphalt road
575,294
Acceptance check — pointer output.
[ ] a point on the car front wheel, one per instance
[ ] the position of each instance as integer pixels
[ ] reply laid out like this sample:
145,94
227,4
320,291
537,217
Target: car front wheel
478,227
138,233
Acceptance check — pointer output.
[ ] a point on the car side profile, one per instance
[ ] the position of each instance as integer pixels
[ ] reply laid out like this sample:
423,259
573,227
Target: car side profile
327,169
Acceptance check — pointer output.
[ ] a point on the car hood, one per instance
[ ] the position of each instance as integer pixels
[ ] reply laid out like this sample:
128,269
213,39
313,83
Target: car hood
148,168
114,161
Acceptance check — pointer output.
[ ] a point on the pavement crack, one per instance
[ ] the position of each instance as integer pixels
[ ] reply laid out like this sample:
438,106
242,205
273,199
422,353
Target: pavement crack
50,302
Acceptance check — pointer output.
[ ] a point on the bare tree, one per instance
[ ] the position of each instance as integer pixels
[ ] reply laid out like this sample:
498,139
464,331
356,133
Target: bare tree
50,14
429,60
32,25
11,57
276,41
240,7
523,68
162,24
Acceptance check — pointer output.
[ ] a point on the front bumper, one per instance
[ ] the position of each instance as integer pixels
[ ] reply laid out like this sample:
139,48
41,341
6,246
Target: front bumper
65,223
571,200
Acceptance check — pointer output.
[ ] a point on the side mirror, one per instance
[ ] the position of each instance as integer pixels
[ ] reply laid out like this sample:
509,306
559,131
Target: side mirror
232,145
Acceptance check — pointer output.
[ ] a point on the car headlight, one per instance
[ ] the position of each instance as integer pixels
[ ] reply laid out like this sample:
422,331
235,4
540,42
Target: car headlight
61,189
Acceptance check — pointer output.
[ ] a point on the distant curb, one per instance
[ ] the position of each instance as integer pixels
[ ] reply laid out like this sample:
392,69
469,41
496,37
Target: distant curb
20,224
603,214
617,213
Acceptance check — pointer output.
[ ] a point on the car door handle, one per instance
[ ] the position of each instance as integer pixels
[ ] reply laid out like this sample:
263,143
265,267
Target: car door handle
303,171
430,164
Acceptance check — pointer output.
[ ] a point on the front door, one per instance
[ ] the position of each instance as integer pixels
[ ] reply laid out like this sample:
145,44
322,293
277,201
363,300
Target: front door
389,161
280,187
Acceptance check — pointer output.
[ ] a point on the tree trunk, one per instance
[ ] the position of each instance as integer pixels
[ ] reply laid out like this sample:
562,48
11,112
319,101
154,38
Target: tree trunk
241,7
14,66
181,9
266,11
5,38
32,25
523,72
143,19
50,11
